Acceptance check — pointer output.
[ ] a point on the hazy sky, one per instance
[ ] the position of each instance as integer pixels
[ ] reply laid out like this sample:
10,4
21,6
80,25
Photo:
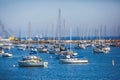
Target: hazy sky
43,15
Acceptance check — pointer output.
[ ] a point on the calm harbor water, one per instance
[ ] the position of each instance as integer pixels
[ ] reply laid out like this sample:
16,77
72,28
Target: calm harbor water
99,67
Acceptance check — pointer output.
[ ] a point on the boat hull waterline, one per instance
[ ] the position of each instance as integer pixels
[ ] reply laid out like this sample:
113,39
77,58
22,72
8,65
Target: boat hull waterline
73,61
32,64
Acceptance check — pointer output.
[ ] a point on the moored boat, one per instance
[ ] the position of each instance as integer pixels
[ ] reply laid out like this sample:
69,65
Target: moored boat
21,46
73,61
32,61
101,49
7,55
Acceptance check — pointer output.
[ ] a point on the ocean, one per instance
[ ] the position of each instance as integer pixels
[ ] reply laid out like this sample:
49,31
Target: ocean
99,67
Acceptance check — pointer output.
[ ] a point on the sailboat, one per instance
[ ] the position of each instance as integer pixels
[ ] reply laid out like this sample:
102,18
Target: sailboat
101,47
4,53
7,55
42,49
31,60
73,61
106,46
70,59
82,44
7,45
20,45
60,47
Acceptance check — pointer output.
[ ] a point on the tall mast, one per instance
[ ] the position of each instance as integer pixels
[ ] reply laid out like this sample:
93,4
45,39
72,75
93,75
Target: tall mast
100,34
105,37
29,30
29,36
64,29
20,35
70,38
80,32
59,23
77,30
118,32
52,36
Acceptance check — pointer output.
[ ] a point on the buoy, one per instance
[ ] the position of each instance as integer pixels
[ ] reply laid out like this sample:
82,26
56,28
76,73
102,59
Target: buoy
113,62
13,65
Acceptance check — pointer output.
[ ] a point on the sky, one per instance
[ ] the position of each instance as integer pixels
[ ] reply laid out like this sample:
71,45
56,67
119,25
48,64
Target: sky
83,17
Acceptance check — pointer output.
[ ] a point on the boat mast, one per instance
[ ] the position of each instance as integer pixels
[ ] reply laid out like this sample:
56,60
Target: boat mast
29,36
70,38
105,37
29,30
100,30
59,24
78,35
64,30
118,32
20,36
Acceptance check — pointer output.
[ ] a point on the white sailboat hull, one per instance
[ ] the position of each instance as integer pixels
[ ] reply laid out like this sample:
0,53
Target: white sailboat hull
21,48
32,64
73,61
7,55
103,50
82,46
